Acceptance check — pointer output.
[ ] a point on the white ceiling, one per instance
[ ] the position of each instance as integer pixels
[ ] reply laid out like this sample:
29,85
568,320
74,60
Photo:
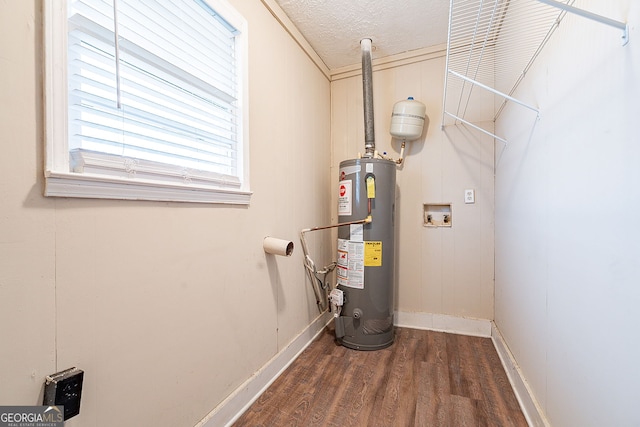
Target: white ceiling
334,28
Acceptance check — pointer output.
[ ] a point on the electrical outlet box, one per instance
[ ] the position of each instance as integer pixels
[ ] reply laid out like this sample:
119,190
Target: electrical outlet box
437,215
337,297
469,196
64,388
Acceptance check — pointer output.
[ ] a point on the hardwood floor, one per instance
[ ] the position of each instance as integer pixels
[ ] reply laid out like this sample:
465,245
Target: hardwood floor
425,378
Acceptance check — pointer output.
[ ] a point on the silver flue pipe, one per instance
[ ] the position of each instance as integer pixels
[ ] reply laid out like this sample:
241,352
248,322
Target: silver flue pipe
367,91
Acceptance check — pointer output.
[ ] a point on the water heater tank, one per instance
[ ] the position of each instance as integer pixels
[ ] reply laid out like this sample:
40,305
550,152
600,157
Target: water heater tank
366,253
407,119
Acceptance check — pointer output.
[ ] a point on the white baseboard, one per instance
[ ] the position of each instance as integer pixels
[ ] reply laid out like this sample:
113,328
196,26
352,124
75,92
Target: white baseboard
444,323
229,410
528,403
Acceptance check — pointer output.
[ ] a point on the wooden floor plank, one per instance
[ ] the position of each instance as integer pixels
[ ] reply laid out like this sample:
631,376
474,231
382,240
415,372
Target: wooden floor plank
462,412
469,367
360,404
425,378
399,398
434,397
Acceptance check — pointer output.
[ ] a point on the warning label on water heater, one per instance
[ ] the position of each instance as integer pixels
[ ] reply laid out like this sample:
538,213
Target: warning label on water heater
350,266
344,197
373,254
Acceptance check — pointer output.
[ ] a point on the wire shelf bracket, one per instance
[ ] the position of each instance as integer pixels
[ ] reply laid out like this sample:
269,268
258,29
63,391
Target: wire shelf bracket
593,16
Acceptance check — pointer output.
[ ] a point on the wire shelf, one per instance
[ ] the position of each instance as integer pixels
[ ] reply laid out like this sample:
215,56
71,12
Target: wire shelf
492,44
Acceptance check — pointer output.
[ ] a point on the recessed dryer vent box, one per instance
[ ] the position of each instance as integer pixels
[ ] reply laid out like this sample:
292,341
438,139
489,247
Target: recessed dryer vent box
64,389
437,215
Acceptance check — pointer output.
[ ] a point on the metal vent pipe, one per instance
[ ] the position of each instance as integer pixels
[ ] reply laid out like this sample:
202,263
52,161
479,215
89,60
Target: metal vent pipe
367,91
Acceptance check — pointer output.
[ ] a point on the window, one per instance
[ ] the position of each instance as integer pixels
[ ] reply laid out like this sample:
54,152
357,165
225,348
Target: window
146,100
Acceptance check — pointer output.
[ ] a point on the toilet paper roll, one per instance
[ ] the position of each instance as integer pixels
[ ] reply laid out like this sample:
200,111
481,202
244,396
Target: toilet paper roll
277,246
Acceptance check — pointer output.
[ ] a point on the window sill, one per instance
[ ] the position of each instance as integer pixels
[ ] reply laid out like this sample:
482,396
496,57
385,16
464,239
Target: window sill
92,186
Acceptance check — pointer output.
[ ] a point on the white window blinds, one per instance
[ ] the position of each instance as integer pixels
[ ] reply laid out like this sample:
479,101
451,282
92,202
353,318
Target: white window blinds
153,91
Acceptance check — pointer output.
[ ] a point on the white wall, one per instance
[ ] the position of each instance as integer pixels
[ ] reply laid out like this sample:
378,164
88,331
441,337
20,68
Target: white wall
180,300
567,235
168,307
439,270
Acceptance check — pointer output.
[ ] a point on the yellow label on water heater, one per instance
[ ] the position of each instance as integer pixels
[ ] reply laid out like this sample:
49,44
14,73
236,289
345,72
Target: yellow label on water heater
371,188
373,254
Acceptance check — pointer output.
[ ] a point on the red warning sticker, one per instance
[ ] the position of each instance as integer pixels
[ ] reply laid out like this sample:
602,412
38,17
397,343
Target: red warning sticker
344,197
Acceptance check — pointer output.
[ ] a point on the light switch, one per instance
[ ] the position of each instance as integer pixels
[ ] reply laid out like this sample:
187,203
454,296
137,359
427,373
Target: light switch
469,196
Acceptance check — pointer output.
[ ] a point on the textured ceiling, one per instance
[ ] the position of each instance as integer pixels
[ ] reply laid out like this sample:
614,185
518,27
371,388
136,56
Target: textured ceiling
334,28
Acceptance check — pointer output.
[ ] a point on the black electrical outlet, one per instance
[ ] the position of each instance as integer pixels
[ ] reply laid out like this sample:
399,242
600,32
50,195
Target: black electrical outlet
64,388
